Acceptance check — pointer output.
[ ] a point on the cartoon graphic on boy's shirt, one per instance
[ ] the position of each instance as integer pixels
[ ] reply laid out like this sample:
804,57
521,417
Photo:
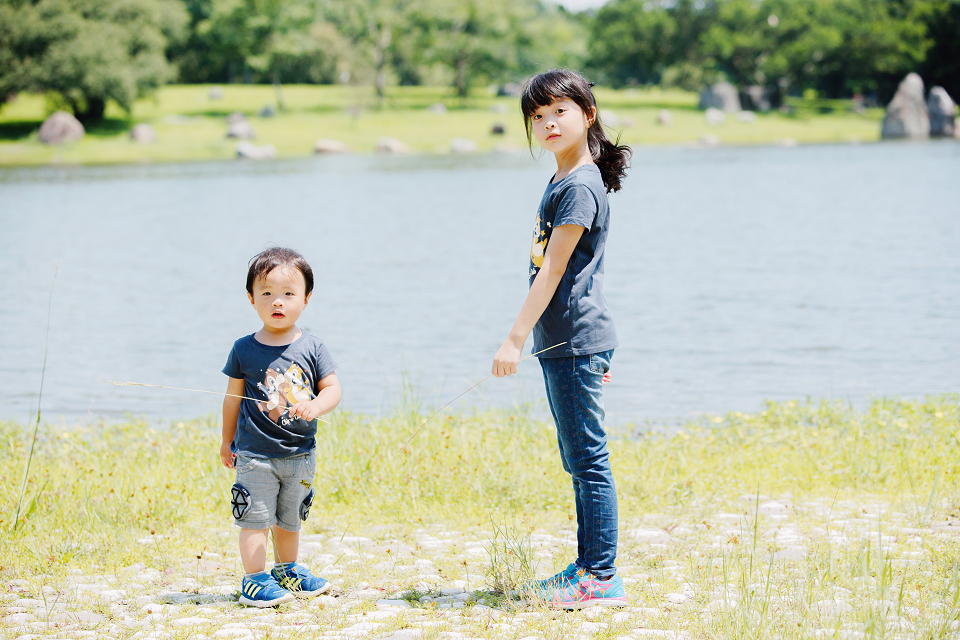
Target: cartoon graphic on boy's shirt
539,248
283,390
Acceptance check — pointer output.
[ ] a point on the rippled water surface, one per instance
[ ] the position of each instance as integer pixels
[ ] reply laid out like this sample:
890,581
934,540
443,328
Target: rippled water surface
734,275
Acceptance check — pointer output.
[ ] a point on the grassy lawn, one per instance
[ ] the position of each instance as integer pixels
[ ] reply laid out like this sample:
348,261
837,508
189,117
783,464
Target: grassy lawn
802,520
191,126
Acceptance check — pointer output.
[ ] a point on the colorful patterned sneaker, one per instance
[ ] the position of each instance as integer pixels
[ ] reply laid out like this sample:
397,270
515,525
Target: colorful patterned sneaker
556,580
261,590
584,590
298,580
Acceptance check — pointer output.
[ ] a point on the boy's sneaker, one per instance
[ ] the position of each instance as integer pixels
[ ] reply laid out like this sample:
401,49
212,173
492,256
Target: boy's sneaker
298,580
261,590
585,590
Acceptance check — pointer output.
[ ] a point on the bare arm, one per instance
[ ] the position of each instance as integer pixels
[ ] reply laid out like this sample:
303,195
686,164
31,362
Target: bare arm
328,397
231,413
563,241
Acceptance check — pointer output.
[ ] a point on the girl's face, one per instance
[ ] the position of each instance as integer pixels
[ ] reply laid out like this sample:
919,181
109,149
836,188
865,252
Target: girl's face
562,125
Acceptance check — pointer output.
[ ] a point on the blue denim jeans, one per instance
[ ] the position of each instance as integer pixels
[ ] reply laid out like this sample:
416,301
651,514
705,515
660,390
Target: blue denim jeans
575,393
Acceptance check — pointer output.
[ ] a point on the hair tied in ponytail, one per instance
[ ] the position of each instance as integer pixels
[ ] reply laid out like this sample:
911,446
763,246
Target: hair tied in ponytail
611,158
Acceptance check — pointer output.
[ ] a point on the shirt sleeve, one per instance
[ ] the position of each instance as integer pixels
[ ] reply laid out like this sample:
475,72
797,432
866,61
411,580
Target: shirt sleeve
577,205
233,368
325,364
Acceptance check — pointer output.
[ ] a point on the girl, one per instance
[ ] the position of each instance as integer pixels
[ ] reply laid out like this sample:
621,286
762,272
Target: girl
565,305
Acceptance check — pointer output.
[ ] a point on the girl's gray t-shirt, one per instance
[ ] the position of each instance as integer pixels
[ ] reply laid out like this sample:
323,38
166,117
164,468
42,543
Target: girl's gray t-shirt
278,378
577,313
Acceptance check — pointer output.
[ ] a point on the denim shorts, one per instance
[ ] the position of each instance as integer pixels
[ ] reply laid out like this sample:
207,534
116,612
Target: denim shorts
273,491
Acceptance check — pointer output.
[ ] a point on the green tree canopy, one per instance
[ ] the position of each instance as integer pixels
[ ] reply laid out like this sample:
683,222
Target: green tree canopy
88,51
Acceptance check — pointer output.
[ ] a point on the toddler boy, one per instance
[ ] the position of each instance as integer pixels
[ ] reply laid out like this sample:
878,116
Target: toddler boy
286,377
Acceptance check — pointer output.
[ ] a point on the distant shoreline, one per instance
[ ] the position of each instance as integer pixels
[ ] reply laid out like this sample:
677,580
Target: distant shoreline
191,126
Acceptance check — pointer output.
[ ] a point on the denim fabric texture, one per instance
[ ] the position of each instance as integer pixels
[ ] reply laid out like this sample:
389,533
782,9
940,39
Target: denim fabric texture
575,393
277,488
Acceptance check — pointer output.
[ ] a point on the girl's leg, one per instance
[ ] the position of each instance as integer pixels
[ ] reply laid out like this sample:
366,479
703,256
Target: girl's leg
575,391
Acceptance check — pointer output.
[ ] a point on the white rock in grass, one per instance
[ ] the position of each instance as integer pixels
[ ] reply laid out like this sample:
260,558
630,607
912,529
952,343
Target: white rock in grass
403,634
361,628
714,117
326,145
189,621
833,607
61,127
664,118
391,146
676,598
462,145
255,152
399,604
143,133
233,633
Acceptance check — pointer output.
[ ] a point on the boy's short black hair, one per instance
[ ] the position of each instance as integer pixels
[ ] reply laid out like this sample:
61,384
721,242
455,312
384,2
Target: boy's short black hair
266,261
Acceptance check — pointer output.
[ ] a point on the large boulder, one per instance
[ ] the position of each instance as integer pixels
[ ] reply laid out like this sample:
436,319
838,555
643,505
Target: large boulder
60,128
143,133
723,96
943,113
907,113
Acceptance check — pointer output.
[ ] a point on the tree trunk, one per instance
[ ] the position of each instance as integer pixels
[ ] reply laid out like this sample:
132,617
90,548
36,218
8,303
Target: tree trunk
92,112
461,80
281,106
381,40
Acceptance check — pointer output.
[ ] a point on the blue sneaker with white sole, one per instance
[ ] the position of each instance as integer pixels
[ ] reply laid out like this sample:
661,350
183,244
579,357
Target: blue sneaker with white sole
298,580
261,590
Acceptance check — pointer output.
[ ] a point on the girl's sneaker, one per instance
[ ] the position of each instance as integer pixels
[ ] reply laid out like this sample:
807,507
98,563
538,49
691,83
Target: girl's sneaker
261,590
298,580
584,590
556,580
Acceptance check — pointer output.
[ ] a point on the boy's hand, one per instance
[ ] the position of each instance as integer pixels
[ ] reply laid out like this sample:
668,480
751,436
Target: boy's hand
607,378
305,411
226,456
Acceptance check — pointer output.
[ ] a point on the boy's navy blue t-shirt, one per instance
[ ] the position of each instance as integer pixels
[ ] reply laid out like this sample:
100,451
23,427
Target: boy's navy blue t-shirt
577,313
278,377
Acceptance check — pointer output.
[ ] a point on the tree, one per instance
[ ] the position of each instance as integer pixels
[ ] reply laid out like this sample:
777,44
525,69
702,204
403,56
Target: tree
268,38
631,41
473,37
88,51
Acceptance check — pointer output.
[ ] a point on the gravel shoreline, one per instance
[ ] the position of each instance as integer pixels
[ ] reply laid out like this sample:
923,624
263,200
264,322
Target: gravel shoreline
685,574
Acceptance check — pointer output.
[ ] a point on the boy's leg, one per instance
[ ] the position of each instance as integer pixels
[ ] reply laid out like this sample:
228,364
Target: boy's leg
286,545
253,549
293,504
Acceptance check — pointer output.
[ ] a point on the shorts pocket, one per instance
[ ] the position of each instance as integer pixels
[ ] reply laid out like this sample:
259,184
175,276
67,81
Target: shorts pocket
243,464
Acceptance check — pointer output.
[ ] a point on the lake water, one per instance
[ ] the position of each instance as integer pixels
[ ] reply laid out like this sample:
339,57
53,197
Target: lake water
734,275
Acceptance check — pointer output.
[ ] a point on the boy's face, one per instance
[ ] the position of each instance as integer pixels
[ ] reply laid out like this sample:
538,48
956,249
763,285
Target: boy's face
279,298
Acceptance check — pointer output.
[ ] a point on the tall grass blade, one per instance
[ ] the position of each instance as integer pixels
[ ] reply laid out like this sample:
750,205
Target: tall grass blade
36,428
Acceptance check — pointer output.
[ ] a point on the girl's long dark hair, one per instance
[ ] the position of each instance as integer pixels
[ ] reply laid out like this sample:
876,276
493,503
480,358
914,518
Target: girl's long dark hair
611,158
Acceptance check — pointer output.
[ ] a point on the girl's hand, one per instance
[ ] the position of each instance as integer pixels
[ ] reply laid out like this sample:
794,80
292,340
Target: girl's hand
607,378
226,456
507,358
305,411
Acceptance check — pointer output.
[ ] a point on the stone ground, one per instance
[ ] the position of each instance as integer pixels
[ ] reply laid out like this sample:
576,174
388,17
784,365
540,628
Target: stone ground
435,584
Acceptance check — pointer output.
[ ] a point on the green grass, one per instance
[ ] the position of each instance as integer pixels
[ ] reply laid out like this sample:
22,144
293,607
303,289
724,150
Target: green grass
98,494
350,114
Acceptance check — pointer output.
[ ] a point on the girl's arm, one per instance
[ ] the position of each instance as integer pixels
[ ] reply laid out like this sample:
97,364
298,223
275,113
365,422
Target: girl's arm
563,241
231,413
328,397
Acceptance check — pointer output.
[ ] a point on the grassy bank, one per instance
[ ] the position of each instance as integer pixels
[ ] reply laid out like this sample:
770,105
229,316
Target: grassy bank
802,520
191,126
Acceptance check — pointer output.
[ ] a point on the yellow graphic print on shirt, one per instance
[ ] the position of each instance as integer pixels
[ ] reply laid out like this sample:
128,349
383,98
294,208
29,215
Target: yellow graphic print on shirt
283,390
539,247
